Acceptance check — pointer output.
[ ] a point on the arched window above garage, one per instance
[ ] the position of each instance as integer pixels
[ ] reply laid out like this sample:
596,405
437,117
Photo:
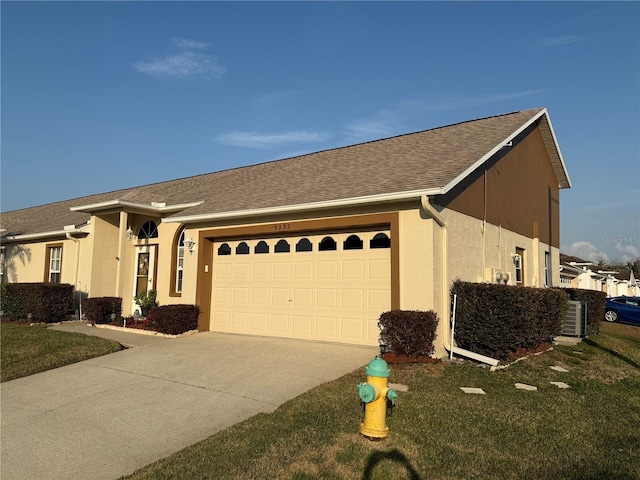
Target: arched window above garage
282,246
242,249
304,245
261,247
327,243
380,240
353,242
224,249
148,230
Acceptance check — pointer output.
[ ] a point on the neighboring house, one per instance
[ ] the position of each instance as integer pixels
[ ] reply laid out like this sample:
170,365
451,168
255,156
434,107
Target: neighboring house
317,246
577,273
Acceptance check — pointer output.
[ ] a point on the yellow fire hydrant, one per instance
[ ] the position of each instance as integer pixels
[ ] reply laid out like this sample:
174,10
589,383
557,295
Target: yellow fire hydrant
376,396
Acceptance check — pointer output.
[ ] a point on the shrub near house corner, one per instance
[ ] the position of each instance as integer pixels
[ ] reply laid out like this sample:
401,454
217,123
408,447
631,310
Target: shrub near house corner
409,332
46,302
174,319
99,309
498,320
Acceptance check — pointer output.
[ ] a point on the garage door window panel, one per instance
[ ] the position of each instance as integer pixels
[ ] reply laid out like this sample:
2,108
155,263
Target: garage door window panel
242,249
380,240
304,245
261,247
224,249
328,244
353,242
282,247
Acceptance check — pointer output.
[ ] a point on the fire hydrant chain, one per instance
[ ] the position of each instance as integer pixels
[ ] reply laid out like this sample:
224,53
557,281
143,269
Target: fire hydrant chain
377,399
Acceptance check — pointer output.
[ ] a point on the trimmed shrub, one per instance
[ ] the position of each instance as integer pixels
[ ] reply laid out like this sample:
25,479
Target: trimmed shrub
409,332
46,302
596,302
99,309
498,320
174,319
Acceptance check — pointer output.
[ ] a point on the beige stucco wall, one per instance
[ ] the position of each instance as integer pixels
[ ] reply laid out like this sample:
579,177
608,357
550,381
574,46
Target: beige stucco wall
473,253
104,234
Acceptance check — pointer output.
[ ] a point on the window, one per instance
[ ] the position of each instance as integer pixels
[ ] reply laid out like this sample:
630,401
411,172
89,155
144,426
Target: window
282,247
54,263
327,243
380,240
304,245
242,249
518,262
1,264
148,230
180,262
261,247
353,242
547,269
224,249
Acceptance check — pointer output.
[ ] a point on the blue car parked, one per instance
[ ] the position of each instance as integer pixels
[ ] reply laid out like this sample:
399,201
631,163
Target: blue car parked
623,309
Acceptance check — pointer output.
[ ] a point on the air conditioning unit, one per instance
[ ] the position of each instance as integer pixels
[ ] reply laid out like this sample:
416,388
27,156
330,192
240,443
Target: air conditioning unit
575,321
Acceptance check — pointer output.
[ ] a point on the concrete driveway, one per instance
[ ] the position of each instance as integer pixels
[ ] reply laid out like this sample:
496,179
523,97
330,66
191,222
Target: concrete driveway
106,417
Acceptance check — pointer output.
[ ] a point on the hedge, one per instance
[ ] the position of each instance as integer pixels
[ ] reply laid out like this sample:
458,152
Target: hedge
409,332
46,302
174,319
99,309
498,320
596,302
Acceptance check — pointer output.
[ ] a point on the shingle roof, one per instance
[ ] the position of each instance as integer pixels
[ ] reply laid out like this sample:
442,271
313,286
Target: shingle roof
426,160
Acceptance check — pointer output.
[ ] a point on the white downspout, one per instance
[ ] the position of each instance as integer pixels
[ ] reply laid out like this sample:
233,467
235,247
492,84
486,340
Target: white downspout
448,336
76,269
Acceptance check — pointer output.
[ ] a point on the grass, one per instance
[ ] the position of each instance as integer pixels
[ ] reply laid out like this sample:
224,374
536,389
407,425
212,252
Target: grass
589,431
32,349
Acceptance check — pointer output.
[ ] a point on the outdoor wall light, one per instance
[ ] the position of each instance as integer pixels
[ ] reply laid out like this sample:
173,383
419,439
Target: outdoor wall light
129,234
499,277
190,244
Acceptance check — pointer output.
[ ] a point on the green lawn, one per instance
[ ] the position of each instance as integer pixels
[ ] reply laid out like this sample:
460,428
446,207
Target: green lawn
589,431
31,349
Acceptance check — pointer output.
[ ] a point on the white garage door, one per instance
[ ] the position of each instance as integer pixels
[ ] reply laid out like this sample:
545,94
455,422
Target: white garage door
330,287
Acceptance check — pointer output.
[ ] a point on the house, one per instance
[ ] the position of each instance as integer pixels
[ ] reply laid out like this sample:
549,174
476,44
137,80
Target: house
578,273
317,246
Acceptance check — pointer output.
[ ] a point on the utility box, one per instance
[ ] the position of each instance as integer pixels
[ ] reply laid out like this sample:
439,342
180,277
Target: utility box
575,322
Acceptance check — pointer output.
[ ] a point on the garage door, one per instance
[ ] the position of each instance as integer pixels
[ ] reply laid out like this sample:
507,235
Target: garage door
325,286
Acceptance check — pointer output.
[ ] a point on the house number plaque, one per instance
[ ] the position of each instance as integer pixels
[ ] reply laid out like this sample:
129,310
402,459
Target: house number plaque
281,226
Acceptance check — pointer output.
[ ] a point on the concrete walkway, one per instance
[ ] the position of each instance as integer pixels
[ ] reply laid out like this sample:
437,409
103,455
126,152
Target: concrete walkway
106,417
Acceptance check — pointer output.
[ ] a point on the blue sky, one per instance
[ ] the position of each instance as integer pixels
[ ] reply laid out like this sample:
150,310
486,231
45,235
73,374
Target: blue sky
164,90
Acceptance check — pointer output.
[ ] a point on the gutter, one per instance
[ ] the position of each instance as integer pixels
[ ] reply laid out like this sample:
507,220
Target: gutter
382,198
38,236
449,329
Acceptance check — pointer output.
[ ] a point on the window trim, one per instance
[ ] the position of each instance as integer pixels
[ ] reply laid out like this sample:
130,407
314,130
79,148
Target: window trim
174,262
518,261
47,265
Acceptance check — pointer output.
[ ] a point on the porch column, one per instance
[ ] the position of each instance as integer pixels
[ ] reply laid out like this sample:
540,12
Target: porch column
122,240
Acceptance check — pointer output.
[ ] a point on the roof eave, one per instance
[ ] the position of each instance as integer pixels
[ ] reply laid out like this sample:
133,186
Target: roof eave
43,235
111,205
339,203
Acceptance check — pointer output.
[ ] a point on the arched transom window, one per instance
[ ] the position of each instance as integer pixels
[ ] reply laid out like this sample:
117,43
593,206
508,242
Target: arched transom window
148,230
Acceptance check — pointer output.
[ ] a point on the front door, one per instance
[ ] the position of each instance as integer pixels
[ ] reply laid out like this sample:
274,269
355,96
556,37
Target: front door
144,278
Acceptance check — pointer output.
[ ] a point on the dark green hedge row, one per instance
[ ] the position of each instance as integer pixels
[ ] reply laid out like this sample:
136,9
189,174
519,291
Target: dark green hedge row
497,320
99,309
596,302
46,302
409,332
174,319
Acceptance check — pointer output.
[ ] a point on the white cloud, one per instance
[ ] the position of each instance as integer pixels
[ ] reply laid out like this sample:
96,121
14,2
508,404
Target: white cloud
186,64
586,251
269,140
184,43
629,251
440,103
548,42
383,124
